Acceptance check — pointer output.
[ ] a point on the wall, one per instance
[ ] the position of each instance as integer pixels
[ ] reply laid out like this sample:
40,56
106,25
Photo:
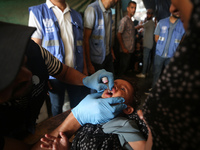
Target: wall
16,11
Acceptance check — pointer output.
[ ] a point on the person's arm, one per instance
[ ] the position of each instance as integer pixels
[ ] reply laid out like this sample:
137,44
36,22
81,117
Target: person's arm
85,70
70,75
156,38
68,127
119,36
38,41
89,22
37,35
87,34
139,26
142,145
113,54
149,142
157,32
138,145
92,109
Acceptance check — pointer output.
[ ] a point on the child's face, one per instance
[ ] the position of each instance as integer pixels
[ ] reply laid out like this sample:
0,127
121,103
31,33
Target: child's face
121,88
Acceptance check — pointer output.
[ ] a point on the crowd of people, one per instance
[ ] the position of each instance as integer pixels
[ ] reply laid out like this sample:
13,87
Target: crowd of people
58,52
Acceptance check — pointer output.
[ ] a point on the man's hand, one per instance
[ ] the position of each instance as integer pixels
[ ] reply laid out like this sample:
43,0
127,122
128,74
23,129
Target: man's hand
125,51
95,110
95,80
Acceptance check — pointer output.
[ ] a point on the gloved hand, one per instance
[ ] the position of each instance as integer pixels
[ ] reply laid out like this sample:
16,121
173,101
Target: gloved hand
95,80
95,110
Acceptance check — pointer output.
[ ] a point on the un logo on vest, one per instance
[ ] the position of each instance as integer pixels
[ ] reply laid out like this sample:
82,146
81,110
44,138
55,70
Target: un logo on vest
164,29
48,22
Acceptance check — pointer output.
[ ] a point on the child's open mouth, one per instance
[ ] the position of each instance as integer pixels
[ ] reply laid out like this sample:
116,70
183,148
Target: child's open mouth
109,93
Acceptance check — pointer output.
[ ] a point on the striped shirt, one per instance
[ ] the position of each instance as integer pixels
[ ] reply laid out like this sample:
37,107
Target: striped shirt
54,66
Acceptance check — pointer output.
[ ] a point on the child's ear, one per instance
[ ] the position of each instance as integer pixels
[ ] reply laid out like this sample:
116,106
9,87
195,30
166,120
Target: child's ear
128,110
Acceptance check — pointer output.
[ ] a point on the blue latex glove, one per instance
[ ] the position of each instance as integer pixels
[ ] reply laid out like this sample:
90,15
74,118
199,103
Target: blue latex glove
95,110
95,80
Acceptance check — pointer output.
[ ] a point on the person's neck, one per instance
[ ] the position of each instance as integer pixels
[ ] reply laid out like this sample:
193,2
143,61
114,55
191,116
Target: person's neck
173,19
149,19
105,4
60,4
130,15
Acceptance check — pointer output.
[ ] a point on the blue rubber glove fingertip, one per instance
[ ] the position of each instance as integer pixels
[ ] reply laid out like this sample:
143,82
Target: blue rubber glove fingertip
102,88
124,106
122,99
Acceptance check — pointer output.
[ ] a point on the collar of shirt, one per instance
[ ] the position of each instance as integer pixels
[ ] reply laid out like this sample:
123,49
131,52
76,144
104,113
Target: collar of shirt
50,5
127,16
103,8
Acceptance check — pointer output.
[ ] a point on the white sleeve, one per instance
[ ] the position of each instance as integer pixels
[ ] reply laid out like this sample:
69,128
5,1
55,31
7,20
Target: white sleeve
89,18
33,22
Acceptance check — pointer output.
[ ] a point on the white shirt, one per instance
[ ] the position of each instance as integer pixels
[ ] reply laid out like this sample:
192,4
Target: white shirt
64,21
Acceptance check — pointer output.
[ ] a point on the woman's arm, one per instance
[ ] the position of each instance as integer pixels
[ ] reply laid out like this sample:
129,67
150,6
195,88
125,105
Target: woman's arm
69,127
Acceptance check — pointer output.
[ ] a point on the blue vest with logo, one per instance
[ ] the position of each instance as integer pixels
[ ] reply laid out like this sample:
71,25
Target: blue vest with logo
177,35
52,38
98,39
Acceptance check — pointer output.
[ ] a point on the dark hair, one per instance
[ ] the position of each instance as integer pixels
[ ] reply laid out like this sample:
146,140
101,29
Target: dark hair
131,2
150,11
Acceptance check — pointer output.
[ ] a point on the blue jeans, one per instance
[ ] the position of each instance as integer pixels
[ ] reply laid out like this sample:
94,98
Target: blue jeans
146,60
57,94
159,64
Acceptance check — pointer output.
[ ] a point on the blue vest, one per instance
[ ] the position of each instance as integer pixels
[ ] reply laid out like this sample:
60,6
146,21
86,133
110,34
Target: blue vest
177,35
98,39
51,31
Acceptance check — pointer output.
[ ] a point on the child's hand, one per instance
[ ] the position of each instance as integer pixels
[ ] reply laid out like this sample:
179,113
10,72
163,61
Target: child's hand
55,143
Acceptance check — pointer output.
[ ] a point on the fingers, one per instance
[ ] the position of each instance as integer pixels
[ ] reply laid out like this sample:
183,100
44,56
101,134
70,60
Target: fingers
53,146
111,84
96,95
110,77
115,104
44,146
48,140
101,87
118,108
63,136
50,137
115,100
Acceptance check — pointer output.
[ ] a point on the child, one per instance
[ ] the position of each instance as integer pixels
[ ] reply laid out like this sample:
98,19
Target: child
127,131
